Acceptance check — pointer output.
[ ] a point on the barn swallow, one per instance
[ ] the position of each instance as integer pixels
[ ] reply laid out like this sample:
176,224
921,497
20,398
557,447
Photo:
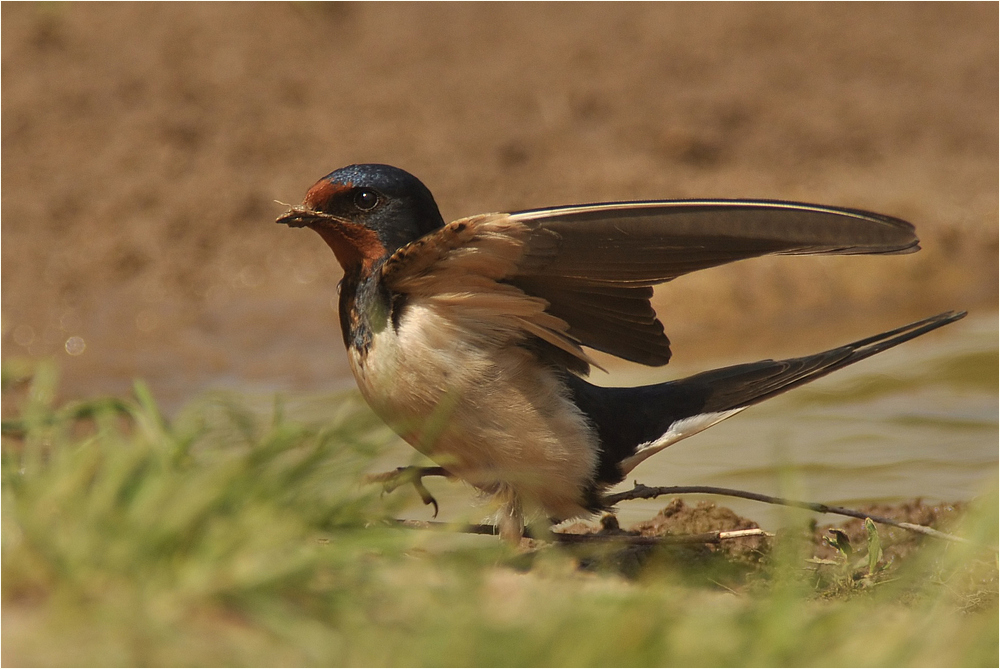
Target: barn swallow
469,338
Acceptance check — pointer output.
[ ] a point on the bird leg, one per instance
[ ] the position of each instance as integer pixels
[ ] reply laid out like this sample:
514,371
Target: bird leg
510,521
403,475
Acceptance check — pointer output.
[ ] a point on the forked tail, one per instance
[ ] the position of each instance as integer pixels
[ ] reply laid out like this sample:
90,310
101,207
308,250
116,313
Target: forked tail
635,423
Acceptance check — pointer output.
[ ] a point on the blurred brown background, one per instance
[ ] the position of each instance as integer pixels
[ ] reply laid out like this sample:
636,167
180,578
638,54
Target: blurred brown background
144,144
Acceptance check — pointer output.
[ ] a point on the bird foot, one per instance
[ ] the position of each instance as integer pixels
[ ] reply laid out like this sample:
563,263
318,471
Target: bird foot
413,475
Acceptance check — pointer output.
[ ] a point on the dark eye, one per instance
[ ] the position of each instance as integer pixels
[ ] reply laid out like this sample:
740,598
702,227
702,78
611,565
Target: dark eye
365,199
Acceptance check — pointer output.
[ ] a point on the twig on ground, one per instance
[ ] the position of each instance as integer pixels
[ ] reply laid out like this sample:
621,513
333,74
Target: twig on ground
403,475
714,537
641,491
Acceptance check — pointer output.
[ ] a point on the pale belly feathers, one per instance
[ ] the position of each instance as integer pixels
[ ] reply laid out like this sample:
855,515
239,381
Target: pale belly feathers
481,408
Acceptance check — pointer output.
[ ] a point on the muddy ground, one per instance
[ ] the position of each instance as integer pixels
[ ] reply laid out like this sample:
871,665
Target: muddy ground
144,145
743,564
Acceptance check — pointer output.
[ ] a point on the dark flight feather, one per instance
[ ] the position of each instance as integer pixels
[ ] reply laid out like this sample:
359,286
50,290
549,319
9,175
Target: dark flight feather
628,247
595,264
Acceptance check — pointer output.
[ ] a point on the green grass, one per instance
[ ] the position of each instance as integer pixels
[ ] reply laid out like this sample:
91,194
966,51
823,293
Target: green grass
223,537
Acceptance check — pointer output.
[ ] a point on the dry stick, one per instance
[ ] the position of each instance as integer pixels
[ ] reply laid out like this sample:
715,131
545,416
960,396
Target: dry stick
641,491
715,537
402,475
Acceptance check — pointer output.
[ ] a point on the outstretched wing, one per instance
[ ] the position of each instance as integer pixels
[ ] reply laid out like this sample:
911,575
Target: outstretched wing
593,266
461,271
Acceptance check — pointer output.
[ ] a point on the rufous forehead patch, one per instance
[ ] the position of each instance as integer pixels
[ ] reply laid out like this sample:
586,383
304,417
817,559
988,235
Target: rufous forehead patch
322,192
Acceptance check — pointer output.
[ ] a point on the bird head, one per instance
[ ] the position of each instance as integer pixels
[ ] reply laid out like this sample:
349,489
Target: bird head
366,212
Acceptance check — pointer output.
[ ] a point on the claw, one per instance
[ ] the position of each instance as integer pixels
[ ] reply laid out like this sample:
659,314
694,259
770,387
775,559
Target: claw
415,475
425,495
